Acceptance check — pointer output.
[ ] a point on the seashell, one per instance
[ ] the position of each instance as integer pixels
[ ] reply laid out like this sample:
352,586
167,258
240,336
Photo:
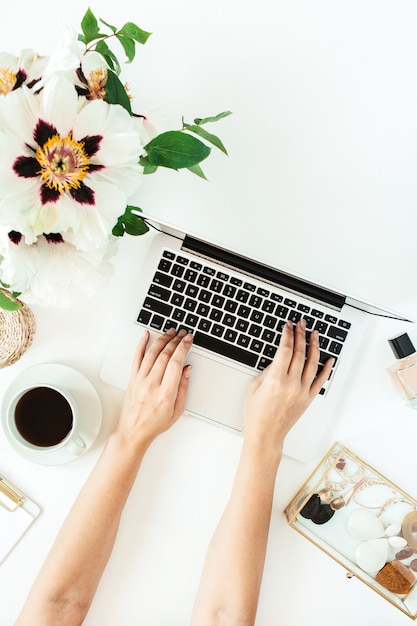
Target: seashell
393,529
397,542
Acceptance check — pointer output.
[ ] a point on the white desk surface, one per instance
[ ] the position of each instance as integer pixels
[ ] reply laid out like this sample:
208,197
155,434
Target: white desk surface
321,179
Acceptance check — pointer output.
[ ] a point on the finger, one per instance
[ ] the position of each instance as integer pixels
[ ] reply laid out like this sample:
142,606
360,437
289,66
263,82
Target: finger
164,357
174,369
299,350
155,350
139,353
312,363
182,391
322,378
283,355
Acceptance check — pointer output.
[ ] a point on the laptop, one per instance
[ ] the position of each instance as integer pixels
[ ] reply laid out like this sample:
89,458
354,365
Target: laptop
236,307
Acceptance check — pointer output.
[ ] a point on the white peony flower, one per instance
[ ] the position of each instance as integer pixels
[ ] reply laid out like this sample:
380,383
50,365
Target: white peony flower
66,164
26,69
52,271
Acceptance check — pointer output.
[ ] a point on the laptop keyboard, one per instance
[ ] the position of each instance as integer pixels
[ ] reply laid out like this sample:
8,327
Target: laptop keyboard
231,315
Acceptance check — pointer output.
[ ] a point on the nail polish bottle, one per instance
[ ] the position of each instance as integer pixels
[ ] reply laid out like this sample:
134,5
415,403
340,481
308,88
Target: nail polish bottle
404,371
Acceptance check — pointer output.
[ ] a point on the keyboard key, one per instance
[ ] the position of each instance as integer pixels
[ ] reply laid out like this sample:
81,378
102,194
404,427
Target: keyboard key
222,276
191,320
257,316
204,295
157,322
226,349
157,306
203,310
243,341
229,320
325,357
249,287
236,281
255,330
243,311
177,299
337,333
230,306
344,324
294,316
281,311
216,315
230,335
242,296
162,279
270,321
290,303
191,290
178,315
309,321
169,324
217,301
317,313
330,318
190,276
335,347
164,265
203,280
209,271
177,270
217,330
268,306
216,285
195,266
276,297
229,291
204,325
144,316
178,285
242,325
263,292
321,327
189,304
303,308
268,335
270,351
257,345
167,254
323,342
255,301
160,293
263,363
182,259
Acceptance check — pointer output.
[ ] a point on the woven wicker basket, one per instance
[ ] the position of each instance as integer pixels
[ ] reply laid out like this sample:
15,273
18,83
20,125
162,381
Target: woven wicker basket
17,329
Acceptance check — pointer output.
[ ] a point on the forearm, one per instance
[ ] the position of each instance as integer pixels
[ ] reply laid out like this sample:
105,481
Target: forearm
65,586
232,574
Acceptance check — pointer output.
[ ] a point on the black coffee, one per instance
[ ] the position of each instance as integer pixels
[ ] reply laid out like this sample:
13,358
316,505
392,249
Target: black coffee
43,416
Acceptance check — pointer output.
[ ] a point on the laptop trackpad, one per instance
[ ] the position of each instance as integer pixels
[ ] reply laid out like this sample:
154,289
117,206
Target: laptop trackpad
216,391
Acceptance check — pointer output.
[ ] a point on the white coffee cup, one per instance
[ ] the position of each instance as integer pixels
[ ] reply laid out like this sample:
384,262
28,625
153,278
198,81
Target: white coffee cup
44,418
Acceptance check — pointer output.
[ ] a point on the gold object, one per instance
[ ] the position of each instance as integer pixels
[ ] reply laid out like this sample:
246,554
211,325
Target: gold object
10,494
17,329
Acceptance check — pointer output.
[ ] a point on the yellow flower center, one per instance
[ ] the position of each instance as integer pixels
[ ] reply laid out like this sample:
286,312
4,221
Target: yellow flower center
96,82
64,163
7,81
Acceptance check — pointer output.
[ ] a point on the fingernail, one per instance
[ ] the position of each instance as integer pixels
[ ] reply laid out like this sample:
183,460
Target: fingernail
188,338
171,331
187,371
303,324
316,334
182,332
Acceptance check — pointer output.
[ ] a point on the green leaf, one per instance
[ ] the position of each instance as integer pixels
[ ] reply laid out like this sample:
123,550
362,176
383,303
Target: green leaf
130,223
196,169
147,167
204,120
134,32
116,93
176,150
108,56
213,139
89,26
128,45
7,303
112,28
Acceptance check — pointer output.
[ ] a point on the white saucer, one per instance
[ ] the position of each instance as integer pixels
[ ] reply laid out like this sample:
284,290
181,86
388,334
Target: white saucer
83,392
